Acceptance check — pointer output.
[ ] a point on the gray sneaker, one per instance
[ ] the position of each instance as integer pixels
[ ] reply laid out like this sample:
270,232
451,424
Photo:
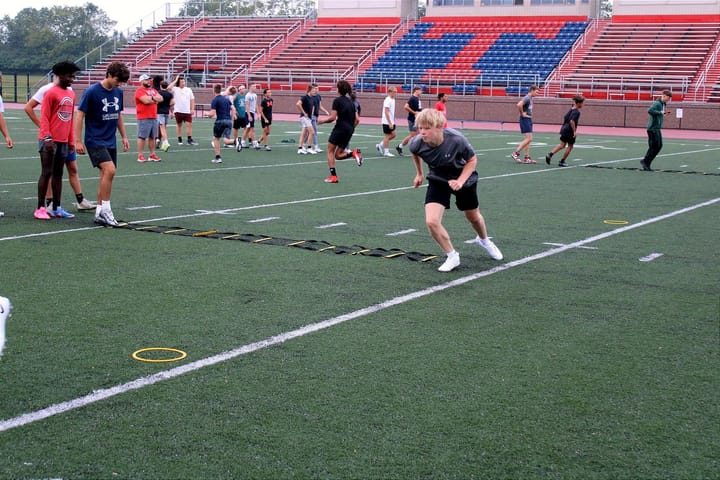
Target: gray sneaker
86,205
107,219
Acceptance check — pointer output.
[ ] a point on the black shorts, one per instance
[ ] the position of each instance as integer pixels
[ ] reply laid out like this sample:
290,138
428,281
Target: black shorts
240,122
100,155
264,124
251,120
387,130
340,137
439,192
221,128
566,136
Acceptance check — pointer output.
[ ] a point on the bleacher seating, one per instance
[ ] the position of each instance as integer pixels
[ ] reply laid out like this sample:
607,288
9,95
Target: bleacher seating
638,60
327,50
143,47
214,47
490,57
221,45
473,54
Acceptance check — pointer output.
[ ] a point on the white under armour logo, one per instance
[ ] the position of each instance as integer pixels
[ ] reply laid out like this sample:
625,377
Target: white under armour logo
107,105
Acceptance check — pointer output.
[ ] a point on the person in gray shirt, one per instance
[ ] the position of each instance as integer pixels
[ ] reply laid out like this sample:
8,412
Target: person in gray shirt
451,161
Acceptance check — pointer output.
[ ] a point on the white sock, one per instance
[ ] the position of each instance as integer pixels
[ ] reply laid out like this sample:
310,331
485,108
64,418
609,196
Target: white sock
106,205
454,253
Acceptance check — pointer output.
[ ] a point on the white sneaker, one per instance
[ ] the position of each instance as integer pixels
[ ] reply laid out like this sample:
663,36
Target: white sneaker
379,148
5,308
302,151
317,150
388,154
216,160
107,219
452,262
490,248
86,205
313,151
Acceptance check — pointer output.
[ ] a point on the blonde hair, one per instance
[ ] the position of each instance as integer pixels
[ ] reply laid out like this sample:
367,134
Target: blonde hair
430,118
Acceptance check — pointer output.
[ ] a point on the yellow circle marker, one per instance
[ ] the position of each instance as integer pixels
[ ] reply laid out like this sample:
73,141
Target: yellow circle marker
136,355
616,222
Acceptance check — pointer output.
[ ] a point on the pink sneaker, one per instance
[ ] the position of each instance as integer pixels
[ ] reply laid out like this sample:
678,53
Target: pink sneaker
528,160
141,158
41,214
154,158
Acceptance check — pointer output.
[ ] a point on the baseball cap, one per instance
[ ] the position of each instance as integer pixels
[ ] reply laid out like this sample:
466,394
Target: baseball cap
144,77
241,87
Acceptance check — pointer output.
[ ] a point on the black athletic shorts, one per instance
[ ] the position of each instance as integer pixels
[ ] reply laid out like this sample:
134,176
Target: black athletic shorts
340,137
440,192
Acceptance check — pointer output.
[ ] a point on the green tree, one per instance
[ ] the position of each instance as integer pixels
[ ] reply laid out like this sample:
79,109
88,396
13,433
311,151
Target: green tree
36,39
606,9
248,7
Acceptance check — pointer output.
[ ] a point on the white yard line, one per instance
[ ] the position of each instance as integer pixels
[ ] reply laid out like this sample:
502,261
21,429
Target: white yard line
105,393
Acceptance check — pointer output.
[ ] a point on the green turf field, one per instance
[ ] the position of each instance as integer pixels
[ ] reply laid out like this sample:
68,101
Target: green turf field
590,352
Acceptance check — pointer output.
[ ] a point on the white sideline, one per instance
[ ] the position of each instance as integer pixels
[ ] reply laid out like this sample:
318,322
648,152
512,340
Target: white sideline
98,395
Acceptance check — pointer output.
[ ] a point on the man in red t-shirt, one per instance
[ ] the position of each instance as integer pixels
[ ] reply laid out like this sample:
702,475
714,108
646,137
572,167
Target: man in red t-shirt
146,100
440,106
56,138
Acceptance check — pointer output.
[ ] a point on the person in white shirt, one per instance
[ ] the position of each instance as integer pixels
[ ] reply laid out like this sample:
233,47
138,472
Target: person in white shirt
251,109
184,108
388,123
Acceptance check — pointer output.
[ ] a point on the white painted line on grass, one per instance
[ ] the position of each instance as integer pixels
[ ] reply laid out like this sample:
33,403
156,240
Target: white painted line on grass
212,212
651,257
104,393
331,225
260,220
148,207
401,232
561,244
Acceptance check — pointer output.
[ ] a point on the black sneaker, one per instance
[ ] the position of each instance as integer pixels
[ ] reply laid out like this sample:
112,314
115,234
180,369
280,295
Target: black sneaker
548,158
399,149
192,142
644,166
562,164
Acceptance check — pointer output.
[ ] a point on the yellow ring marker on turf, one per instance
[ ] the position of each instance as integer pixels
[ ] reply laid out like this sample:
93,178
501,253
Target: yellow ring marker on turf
136,355
616,222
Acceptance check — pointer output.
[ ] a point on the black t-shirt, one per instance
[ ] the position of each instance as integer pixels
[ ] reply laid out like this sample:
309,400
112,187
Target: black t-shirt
414,104
163,107
266,106
345,109
306,102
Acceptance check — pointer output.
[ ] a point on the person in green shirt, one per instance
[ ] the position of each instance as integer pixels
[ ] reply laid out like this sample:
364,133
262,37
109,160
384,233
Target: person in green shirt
657,112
